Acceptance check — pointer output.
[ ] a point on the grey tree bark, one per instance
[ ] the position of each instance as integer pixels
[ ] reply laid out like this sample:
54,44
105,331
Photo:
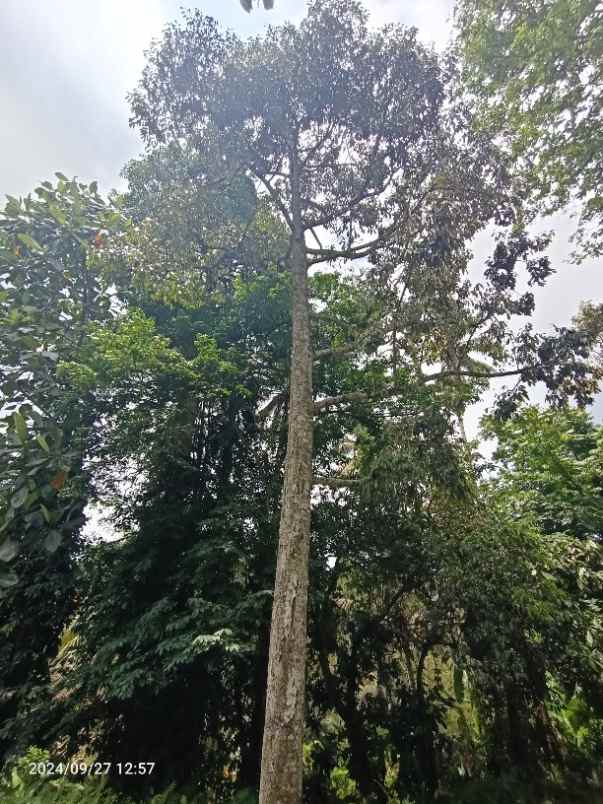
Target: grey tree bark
282,754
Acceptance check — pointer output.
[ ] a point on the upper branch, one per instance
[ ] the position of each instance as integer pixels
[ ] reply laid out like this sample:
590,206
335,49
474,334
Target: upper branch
277,201
485,375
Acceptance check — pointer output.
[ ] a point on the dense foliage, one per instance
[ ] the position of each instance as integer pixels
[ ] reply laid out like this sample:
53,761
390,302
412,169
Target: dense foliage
455,637
535,70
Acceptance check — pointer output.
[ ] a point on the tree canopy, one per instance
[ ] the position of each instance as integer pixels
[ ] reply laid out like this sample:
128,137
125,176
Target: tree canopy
536,70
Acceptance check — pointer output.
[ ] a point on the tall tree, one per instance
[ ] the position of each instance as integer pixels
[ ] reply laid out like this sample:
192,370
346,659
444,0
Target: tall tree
336,123
346,132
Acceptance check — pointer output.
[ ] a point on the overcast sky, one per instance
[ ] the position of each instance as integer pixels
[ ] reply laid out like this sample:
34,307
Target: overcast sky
66,66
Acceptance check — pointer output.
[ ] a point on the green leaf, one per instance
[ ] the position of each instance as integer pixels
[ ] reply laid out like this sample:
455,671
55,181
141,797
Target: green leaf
57,214
29,242
53,541
13,207
61,176
20,427
8,549
19,497
8,578
43,443
37,466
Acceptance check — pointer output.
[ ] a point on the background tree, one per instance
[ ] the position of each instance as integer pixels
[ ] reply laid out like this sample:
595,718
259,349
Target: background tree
548,472
52,288
187,378
535,71
550,463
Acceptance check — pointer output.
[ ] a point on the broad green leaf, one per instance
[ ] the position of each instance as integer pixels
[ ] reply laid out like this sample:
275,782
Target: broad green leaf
53,541
20,427
8,549
29,242
43,443
19,497
57,214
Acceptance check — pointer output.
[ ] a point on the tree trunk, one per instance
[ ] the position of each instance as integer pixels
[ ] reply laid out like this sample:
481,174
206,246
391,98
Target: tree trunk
282,750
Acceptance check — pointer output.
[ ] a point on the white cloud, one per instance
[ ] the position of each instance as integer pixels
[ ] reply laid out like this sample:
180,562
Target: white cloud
65,68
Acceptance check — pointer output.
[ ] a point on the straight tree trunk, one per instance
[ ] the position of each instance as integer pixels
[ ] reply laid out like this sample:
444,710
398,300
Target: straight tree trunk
282,749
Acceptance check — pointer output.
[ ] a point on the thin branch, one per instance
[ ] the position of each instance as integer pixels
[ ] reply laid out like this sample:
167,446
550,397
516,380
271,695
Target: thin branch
318,145
277,201
339,351
329,401
336,482
264,412
355,252
315,236
485,375
366,248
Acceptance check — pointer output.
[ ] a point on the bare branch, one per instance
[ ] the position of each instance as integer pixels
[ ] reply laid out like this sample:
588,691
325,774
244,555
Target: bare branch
315,236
